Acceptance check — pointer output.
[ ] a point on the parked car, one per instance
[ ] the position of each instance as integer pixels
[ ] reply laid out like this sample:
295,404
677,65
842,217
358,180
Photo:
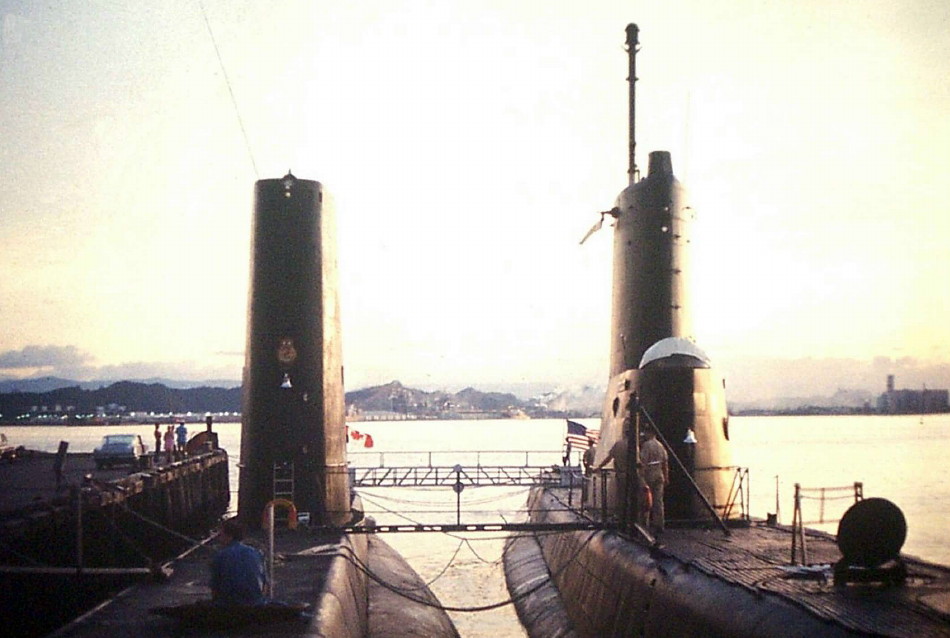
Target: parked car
119,449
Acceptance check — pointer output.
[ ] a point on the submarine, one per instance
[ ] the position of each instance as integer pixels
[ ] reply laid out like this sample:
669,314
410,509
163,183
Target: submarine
709,569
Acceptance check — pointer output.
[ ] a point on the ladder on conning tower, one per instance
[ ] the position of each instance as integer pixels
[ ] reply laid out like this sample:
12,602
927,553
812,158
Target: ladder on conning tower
284,481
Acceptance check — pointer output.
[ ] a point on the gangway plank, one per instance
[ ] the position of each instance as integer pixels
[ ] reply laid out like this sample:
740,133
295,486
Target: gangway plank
458,477
478,476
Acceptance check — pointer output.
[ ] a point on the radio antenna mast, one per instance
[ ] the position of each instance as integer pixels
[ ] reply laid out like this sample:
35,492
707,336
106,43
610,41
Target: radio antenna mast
633,45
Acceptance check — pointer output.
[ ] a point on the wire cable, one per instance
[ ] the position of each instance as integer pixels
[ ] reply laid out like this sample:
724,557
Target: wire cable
359,564
227,81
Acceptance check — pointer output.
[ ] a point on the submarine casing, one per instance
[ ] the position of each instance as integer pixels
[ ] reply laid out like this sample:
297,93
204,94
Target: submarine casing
293,438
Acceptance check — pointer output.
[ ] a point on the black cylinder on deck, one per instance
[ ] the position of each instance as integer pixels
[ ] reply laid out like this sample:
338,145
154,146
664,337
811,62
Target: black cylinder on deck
293,440
871,531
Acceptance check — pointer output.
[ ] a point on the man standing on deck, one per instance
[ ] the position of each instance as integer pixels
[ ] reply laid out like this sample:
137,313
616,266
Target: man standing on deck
619,453
588,458
656,474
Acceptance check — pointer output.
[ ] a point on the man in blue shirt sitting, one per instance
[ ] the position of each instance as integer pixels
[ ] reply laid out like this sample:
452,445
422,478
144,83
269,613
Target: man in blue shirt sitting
237,570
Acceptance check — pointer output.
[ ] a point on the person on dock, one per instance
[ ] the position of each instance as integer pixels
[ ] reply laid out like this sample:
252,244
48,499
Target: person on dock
169,444
237,570
158,442
656,474
181,434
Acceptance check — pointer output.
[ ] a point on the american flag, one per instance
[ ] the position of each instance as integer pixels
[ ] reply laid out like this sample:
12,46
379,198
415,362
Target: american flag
577,435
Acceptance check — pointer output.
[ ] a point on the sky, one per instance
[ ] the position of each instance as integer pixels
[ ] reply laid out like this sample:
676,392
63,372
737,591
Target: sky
468,147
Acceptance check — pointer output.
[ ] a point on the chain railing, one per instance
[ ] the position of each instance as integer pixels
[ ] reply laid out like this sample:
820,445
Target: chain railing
852,493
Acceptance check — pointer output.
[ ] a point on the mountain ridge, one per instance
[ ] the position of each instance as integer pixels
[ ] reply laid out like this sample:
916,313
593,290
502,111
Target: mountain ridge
71,402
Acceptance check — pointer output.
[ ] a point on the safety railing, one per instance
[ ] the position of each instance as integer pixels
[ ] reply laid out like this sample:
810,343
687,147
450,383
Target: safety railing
821,496
433,476
428,458
604,498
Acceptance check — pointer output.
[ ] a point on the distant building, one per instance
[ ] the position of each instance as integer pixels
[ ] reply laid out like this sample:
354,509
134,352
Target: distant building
925,401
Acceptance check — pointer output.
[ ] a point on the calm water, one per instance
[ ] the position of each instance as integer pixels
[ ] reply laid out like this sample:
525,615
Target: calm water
899,458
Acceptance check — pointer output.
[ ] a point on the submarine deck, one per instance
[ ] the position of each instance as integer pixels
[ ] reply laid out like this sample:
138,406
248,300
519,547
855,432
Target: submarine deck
129,615
307,570
757,559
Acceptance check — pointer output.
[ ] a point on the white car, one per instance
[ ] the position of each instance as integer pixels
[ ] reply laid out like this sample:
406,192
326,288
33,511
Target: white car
119,449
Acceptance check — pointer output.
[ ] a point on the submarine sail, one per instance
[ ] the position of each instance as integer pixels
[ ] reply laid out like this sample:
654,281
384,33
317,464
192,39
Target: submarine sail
293,438
658,375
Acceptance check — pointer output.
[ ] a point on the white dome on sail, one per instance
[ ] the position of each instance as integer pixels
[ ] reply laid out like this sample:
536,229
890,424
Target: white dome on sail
672,346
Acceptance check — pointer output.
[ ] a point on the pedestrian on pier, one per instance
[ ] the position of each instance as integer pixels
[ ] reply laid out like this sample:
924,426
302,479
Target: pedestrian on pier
181,432
158,442
169,444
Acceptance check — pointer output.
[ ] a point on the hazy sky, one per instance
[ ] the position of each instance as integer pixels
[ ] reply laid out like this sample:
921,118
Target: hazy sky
469,146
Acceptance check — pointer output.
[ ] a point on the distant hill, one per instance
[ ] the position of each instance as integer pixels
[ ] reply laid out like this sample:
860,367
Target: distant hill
397,398
65,401
20,396
119,399
40,384
48,384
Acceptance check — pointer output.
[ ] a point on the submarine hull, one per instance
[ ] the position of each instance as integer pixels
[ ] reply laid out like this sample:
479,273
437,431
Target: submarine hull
701,583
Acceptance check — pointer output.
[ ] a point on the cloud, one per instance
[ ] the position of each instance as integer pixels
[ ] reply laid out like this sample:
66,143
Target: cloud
69,362
32,357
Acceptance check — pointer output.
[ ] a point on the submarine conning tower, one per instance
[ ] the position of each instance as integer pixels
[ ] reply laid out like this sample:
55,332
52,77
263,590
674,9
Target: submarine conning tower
652,353
650,293
658,375
293,437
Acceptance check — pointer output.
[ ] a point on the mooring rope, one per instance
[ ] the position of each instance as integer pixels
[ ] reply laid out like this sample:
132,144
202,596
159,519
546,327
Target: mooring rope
131,543
359,564
191,541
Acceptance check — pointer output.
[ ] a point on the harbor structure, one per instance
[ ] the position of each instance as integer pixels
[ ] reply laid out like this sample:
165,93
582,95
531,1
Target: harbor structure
905,401
72,534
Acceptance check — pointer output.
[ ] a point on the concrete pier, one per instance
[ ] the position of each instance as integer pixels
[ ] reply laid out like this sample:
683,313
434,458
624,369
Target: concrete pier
39,521
64,548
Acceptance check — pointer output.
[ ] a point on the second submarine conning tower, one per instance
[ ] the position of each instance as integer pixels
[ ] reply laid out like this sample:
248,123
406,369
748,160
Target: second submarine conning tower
293,436
658,376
